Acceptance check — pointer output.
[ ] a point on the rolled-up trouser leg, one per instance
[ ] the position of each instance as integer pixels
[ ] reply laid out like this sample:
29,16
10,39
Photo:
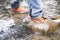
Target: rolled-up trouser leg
35,8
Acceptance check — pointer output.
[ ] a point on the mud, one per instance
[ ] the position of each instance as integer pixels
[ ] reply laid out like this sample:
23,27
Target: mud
20,30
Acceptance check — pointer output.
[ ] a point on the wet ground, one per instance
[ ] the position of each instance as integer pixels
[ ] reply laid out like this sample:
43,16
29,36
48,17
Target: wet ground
21,32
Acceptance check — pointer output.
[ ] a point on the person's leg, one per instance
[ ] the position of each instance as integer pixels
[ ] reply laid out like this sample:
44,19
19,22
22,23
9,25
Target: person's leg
35,9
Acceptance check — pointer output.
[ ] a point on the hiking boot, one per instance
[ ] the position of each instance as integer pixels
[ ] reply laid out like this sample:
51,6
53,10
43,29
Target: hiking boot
20,9
38,20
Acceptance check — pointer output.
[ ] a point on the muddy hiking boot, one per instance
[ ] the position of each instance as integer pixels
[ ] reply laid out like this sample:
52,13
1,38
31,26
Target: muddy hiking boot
17,8
38,20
